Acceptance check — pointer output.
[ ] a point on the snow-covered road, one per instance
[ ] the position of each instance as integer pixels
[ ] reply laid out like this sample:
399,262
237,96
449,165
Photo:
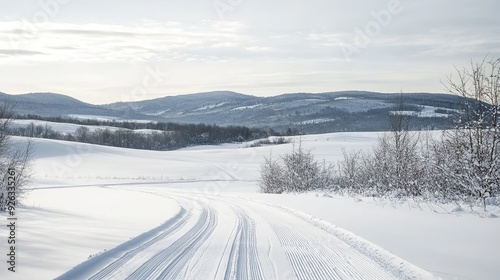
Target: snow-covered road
232,237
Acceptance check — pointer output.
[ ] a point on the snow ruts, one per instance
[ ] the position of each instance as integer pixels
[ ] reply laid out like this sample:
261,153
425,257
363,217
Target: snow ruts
169,262
243,260
326,259
109,270
295,248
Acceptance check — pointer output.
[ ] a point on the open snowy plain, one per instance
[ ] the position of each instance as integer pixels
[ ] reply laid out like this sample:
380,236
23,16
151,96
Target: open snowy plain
108,213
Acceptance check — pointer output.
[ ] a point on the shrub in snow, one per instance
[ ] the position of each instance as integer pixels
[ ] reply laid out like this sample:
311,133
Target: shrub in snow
462,167
394,168
14,157
297,171
474,146
271,176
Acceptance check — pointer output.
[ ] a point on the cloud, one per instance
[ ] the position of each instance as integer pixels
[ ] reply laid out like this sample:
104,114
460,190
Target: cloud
80,32
94,42
14,52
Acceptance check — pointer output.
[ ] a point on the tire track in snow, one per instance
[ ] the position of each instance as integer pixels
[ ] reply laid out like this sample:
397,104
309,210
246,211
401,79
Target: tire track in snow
316,255
359,253
304,261
243,260
312,260
111,268
302,249
169,262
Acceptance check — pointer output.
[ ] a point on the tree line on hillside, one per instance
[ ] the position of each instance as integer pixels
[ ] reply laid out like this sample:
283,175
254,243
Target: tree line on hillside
461,166
162,136
335,119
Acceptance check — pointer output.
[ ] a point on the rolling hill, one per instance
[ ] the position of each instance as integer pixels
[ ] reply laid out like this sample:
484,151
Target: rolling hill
306,112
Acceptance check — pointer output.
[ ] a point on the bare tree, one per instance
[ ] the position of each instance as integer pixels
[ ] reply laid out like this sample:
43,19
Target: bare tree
392,169
271,176
474,145
13,156
396,161
351,172
82,134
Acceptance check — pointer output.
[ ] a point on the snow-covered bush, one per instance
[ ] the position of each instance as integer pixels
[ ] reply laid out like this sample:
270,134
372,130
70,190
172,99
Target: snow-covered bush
461,167
14,162
297,171
271,176
393,168
473,164
351,172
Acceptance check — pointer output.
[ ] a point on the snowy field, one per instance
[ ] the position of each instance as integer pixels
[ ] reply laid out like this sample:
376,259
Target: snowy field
110,213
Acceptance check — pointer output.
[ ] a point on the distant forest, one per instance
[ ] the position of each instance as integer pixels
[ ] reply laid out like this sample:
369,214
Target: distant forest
370,120
164,135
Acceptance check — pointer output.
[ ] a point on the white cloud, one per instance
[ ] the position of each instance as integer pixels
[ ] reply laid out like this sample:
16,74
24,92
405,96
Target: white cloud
63,42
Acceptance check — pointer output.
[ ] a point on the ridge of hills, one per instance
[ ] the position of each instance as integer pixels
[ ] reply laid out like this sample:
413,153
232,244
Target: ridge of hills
305,112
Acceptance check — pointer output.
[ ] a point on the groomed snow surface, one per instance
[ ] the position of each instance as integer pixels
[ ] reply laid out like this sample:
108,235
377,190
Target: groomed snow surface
108,213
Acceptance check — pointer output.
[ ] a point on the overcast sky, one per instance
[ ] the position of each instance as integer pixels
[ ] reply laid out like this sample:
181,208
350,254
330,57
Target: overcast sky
120,50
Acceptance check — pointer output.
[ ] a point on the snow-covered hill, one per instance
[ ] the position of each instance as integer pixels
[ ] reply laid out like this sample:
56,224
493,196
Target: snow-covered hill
306,112
112,213
340,111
